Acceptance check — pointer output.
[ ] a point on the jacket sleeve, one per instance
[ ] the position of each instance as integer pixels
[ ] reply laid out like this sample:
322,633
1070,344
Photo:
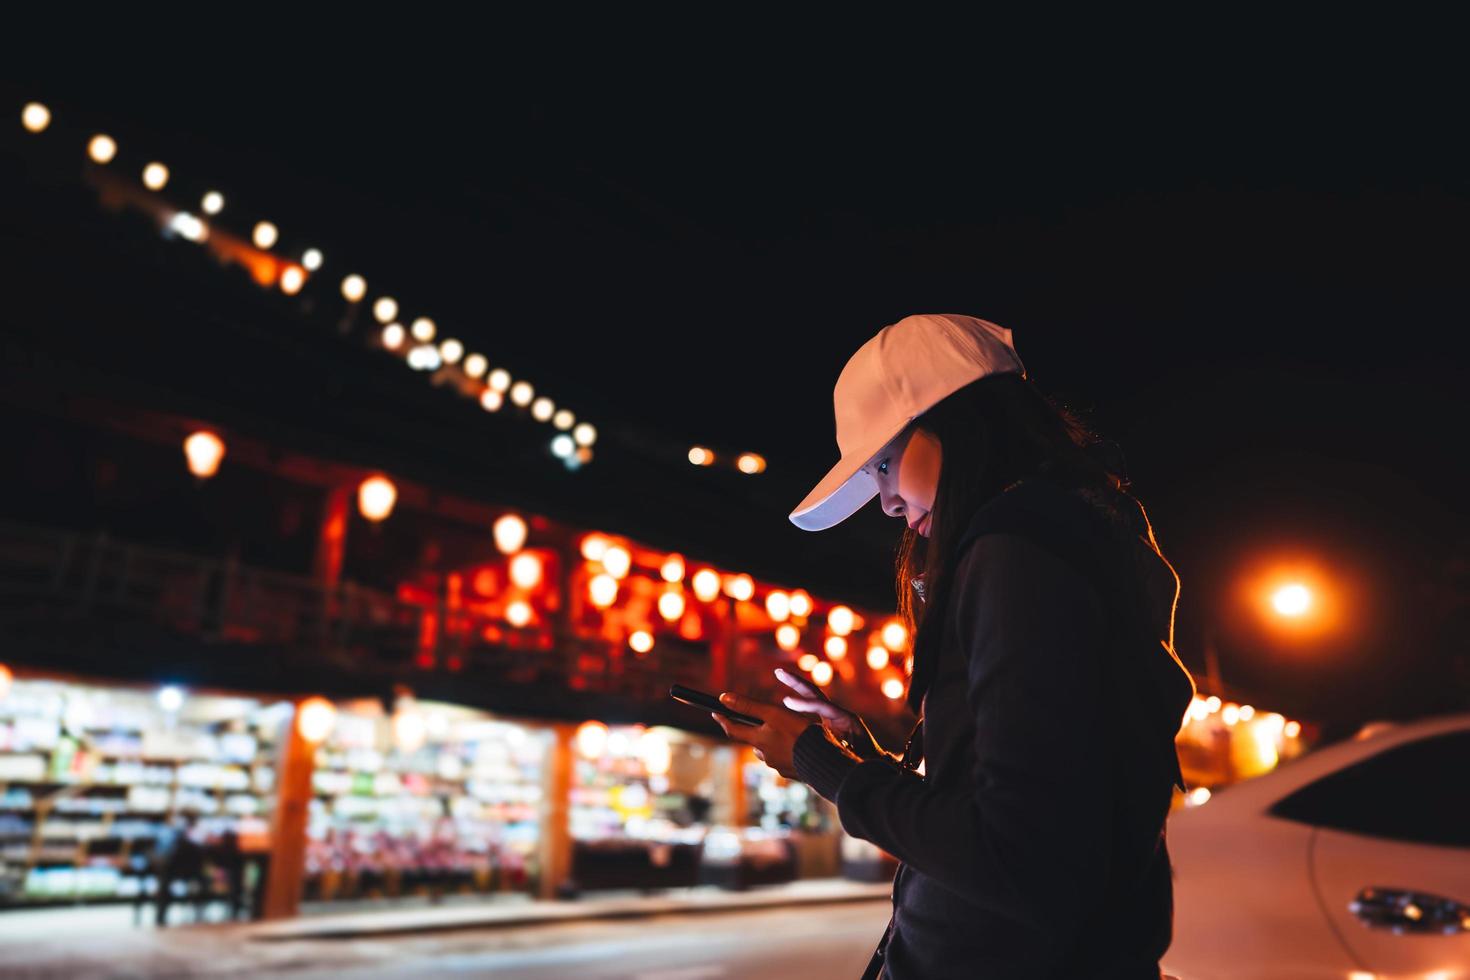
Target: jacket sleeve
1026,835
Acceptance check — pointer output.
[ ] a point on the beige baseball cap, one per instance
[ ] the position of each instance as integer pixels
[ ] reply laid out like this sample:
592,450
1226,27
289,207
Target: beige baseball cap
895,377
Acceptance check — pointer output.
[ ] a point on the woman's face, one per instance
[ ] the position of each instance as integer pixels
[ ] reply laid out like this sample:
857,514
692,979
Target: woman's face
907,472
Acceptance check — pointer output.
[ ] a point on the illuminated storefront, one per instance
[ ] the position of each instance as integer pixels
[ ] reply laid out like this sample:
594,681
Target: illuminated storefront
431,799
90,774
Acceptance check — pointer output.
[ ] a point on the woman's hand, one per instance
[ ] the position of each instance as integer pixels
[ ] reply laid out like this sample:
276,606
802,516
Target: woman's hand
773,741
846,726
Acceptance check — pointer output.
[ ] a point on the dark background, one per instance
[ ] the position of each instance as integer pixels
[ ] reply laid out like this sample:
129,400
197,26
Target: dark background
1259,292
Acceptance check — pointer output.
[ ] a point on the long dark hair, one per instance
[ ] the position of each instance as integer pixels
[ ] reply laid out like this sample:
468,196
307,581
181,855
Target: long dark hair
992,433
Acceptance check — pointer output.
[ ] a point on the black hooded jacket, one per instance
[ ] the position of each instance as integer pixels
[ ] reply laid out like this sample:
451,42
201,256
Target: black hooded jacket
1033,844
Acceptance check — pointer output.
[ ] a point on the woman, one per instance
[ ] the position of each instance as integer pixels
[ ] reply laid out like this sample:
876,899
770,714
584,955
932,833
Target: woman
1044,673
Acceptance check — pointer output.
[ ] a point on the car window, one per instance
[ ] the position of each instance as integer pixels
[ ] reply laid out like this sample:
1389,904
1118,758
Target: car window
1417,792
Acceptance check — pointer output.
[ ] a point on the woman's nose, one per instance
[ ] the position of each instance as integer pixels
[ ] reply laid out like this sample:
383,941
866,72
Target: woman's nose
892,504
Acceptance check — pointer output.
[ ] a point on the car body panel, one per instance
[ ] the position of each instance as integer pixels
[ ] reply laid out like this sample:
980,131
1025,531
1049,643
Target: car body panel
1344,864
1263,897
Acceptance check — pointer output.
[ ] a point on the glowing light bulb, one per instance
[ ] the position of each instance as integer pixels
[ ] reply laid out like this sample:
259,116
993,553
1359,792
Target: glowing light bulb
836,647
410,730
293,277
312,259
155,176
562,446
315,719
375,497
525,570
671,605
585,434
801,604
491,400
510,533
425,357
594,546
840,620
706,584
393,336
542,409
35,117
700,456
354,288
563,419
499,380
190,227
893,688
518,613
1212,704
475,365
1231,714
591,739
203,450
521,393
603,590
750,463
788,637
265,234
170,698
617,561
778,606
740,587
1292,729
423,329
641,641
102,148
877,657
807,661
1247,712
213,202
451,350
672,569
386,309
822,674
895,636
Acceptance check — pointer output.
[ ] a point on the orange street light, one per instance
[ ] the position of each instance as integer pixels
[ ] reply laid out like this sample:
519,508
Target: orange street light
1292,600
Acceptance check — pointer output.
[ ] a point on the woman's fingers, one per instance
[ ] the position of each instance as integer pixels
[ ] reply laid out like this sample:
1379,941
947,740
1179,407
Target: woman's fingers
824,708
799,685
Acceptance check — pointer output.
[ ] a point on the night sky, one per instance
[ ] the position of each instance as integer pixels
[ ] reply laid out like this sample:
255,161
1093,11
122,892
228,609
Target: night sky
1260,295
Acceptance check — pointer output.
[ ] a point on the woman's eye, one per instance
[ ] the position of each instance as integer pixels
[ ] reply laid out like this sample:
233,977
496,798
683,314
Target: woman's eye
883,467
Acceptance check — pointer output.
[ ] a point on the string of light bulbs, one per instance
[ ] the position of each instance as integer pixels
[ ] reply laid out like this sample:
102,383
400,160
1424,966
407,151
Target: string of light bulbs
418,344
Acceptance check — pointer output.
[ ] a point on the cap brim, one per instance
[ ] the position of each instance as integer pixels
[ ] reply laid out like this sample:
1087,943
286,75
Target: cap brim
842,492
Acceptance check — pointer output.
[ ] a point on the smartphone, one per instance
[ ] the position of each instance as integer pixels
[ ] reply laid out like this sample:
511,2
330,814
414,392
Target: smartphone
702,700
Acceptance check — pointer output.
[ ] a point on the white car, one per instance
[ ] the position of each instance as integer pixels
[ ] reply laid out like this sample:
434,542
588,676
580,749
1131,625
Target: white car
1350,862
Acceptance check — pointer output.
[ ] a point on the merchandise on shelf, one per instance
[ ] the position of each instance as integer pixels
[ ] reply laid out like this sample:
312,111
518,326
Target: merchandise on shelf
433,797
91,774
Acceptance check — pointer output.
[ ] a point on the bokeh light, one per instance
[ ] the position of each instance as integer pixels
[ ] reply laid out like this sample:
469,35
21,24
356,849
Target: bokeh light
265,234
155,176
510,533
385,309
35,117
375,498
102,148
